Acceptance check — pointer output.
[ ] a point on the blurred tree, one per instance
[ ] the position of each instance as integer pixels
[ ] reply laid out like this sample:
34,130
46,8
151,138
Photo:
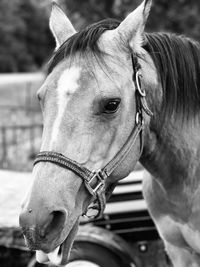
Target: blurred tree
25,38
180,16
26,42
38,39
11,27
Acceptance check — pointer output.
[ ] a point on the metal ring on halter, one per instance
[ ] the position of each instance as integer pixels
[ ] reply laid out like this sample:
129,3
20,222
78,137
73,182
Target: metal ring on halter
137,79
137,118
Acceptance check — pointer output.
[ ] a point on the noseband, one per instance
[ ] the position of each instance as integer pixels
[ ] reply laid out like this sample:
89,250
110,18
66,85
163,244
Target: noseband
95,180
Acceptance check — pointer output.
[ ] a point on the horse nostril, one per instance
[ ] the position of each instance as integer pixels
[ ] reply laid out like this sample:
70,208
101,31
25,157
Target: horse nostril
54,224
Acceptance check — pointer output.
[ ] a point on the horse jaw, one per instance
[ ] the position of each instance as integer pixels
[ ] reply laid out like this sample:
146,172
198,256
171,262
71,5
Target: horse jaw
60,255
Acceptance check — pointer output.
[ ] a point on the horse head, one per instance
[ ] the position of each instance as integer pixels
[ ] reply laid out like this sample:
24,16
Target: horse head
89,111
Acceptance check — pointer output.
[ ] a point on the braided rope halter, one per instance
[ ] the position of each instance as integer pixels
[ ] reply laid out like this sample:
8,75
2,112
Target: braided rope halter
94,181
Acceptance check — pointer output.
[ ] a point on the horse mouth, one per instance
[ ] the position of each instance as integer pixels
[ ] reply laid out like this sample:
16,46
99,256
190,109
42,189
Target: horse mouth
60,255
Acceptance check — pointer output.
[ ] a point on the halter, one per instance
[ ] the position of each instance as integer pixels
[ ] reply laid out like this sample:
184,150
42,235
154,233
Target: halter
95,180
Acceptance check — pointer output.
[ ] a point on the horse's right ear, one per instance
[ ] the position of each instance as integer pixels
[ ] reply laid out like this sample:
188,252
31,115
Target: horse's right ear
60,25
131,29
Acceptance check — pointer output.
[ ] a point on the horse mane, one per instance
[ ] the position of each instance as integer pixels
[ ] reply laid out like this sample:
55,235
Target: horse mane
177,60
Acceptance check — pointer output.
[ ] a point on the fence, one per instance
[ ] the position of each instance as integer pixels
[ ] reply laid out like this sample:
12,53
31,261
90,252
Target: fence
19,144
20,120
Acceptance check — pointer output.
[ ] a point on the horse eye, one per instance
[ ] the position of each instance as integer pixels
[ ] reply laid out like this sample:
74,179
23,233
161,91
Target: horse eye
111,106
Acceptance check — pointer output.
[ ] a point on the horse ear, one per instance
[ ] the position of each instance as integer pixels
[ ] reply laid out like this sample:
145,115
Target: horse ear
60,25
131,29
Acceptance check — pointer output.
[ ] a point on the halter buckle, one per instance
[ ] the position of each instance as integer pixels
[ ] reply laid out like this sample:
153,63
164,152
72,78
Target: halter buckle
96,181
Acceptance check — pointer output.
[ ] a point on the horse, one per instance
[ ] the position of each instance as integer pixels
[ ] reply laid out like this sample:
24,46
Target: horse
115,95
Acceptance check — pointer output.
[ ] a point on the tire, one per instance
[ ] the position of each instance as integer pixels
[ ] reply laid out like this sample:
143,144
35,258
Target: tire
82,263
97,247
95,255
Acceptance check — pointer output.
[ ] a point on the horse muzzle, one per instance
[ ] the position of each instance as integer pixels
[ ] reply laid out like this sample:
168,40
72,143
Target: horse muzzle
41,227
48,237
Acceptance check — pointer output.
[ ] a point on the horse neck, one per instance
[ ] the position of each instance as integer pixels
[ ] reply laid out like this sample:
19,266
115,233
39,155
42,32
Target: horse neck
171,152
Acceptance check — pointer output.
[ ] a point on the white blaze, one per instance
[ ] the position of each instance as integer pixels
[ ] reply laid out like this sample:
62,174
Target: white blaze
67,85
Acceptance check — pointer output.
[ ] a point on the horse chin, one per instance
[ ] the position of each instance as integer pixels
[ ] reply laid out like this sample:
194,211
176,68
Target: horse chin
60,255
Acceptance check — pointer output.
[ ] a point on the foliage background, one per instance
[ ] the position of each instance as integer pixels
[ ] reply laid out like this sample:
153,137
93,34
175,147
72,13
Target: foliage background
26,43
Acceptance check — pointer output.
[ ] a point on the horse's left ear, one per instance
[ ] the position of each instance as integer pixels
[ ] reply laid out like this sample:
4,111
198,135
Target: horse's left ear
60,25
131,29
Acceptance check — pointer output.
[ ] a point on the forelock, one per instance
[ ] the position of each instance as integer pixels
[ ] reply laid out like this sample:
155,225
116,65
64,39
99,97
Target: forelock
83,42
